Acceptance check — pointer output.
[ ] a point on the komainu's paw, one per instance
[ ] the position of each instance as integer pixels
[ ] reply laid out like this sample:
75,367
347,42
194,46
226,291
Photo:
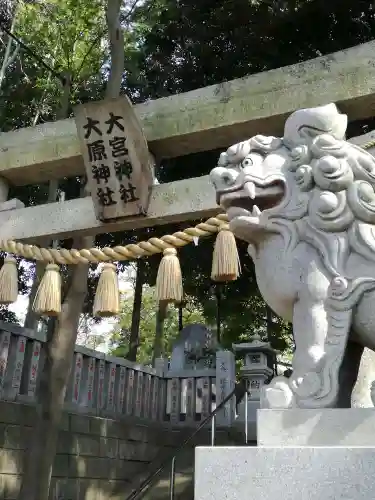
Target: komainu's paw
277,394
306,386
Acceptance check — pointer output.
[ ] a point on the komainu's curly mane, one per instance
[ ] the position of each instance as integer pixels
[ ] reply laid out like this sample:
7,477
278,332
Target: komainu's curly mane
330,198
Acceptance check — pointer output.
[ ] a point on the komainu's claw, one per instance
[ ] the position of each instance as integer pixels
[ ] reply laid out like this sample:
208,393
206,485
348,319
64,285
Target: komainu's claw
277,394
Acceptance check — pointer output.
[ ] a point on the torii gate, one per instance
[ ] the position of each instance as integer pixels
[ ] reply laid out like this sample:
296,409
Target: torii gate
201,120
204,119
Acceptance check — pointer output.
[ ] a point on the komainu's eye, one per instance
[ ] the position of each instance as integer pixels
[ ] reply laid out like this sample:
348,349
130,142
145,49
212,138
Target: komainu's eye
247,162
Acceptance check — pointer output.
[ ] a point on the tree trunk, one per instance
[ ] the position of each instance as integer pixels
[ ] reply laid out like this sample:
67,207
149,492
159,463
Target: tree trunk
116,41
31,320
158,350
136,315
60,345
51,394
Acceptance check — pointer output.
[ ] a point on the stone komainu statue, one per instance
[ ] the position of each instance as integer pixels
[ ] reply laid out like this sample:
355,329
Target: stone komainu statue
306,206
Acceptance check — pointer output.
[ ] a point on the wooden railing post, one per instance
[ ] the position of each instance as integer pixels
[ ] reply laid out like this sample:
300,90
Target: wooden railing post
225,381
4,354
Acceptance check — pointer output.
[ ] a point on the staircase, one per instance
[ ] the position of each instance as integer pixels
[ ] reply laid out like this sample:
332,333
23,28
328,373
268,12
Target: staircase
184,480
159,489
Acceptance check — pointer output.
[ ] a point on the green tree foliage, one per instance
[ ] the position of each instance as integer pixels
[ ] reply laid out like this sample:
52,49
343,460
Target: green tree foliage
86,336
67,36
121,332
190,45
70,37
8,316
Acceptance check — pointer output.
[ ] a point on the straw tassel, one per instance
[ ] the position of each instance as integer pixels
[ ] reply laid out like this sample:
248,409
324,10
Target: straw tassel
169,278
47,300
225,261
107,297
9,281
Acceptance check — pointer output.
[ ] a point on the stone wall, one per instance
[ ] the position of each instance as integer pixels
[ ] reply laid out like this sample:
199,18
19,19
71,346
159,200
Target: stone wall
96,457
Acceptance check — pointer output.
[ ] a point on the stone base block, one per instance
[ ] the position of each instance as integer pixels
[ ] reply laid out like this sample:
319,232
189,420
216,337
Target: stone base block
325,427
303,473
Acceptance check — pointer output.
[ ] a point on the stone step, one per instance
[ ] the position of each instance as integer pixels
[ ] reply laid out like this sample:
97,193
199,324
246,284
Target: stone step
184,487
184,471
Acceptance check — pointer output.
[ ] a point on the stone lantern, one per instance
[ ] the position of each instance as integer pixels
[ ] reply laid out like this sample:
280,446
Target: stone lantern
259,368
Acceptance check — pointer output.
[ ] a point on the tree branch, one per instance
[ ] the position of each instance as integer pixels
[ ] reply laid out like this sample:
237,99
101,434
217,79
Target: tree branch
116,39
9,57
131,10
94,43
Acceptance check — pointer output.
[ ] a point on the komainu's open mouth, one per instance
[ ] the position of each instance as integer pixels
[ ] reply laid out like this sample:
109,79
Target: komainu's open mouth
252,199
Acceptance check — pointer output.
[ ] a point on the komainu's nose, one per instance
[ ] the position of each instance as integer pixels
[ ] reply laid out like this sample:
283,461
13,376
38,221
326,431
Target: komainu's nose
223,178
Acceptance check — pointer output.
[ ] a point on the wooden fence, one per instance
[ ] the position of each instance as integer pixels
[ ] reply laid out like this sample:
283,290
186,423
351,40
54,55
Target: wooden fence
108,386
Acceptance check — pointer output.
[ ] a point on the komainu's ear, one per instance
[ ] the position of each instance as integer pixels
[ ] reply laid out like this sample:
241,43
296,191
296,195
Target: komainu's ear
305,124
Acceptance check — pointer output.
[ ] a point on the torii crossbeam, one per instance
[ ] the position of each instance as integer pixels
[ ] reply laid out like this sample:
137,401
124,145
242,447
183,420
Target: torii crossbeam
201,120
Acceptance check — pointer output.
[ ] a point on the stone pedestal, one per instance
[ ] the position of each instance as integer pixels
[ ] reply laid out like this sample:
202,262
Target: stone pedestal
305,454
327,427
288,473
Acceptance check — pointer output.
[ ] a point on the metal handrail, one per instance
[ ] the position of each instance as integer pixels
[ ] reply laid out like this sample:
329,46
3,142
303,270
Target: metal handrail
172,458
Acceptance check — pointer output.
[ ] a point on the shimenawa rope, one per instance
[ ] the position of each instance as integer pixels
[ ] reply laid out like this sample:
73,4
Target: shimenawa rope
225,265
122,253
118,253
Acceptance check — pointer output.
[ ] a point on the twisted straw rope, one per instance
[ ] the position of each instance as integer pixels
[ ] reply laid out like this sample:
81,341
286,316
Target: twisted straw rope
127,252
368,145
118,253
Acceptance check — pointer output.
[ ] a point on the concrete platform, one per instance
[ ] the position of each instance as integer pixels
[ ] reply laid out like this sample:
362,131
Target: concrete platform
292,473
326,427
